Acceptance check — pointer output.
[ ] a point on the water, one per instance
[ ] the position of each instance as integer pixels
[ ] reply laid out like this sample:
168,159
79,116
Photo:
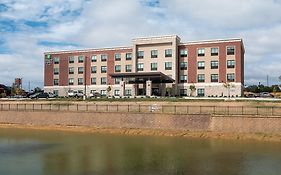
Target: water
32,152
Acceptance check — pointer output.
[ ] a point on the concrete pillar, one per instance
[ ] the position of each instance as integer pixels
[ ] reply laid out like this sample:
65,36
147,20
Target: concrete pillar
162,89
148,88
122,88
133,92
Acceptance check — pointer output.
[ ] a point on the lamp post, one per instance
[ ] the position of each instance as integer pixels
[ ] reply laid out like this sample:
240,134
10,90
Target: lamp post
85,73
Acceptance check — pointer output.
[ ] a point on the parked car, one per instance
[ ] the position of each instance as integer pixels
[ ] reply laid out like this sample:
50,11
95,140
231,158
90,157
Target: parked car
74,93
266,95
40,95
95,95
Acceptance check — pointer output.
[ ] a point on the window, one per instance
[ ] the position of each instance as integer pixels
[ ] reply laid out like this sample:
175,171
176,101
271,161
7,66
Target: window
153,66
80,81
230,77
183,52
56,60
230,63
116,92
80,70
117,57
128,92
200,92
140,67
103,92
168,53
118,68
128,56
103,69
201,52
168,65
94,69
214,78
93,80
117,80
71,70
56,71
94,58
103,80
56,82
183,78
214,51
230,50
201,64
140,54
214,64
103,57
56,92
183,92
128,68
183,65
154,54
201,78
71,59
70,81
80,59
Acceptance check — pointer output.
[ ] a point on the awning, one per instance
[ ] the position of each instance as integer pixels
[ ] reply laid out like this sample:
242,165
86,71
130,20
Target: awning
142,77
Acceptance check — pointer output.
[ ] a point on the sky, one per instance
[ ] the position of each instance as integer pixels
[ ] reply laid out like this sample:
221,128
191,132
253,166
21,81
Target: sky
28,28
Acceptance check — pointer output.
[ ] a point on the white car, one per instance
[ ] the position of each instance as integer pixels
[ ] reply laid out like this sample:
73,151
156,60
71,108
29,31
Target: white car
74,93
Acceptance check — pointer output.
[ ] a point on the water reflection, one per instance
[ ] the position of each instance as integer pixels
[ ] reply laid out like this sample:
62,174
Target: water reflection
59,153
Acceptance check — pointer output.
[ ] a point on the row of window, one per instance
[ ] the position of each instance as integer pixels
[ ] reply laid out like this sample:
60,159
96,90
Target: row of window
214,78
215,64
80,81
200,92
154,53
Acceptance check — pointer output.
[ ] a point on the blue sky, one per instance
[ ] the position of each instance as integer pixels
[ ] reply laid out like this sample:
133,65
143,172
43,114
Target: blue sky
28,28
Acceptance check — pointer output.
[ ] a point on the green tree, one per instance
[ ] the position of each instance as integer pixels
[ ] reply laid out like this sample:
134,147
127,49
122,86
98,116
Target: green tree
192,89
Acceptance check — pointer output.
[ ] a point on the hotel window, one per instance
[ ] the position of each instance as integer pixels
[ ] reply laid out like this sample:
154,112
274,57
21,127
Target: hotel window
154,54
71,70
116,92
56,71
80,70
214,78
103,80
168,53
103,69
214,64
117,57
128,68
168,65
140,67
103,92
70,81
230,50
56,60
56,82
93,80
153,66
71,59
183,78
118,68
230,63
80,81
200,92
80,59
183,65
128,92
56,92
201,52
201,64
214,51
230,77
140,54
183,92
94,58
103,57
94,69
183,52
128,56
117,80
201,78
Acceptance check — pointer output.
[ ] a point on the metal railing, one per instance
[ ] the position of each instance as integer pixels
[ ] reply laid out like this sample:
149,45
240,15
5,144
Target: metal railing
140,108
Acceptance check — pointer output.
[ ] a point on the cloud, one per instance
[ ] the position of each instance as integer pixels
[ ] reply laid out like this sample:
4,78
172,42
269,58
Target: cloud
29,29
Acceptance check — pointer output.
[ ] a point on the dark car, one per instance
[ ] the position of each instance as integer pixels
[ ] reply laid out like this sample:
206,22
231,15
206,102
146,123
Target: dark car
40,95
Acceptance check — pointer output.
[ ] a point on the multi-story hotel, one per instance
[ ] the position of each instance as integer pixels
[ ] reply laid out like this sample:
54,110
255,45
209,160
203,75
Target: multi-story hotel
157,66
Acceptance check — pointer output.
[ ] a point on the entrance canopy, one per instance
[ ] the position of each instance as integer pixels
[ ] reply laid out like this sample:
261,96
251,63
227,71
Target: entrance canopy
142,77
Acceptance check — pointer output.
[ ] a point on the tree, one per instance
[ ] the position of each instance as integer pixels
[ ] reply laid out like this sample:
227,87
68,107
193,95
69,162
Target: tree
192,89
169,91
108,90
228,85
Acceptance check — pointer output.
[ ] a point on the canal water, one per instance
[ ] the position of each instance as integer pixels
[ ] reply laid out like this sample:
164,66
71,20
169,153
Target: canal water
33,152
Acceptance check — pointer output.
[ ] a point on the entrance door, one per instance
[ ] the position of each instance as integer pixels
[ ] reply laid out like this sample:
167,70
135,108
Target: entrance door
155,92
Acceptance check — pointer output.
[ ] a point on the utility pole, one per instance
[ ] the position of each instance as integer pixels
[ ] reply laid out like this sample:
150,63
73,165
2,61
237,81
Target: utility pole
267,80
28,86
85,73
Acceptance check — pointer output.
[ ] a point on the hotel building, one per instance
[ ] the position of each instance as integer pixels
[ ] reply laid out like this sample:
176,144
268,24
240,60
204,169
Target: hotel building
157,66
